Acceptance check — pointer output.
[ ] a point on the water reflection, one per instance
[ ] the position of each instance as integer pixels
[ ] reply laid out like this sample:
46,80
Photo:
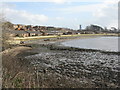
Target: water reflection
100,43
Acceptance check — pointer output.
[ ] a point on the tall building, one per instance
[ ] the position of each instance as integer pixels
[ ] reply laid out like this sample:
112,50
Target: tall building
80,27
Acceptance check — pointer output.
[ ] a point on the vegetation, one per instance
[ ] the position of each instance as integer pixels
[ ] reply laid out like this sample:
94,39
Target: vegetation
5,26
19,73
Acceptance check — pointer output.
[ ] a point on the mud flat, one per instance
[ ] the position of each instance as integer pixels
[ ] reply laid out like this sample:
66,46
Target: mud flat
94,68
47,64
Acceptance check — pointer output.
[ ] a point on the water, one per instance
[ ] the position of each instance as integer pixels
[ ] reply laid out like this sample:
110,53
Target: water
99,43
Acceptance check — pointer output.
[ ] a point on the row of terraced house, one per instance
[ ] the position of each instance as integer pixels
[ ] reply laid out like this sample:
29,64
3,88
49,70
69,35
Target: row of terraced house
29,30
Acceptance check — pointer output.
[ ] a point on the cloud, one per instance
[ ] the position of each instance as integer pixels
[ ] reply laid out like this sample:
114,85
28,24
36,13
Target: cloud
107,14
57,1
59,18
22,16
104,14
77,9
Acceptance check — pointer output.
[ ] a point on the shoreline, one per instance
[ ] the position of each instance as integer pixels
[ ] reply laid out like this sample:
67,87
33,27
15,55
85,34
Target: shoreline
17,40
71,58
62,36
62,66
60,39
93,63
55,43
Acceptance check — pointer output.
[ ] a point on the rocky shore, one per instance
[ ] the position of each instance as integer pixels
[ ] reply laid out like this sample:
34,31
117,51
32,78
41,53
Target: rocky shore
90,67
55,66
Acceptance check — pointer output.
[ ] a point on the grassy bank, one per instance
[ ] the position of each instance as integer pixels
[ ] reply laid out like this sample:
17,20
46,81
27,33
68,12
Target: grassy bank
17,40
19,73
55,36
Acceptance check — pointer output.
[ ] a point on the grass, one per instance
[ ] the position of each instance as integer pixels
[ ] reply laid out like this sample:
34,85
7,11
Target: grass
17,40
56,36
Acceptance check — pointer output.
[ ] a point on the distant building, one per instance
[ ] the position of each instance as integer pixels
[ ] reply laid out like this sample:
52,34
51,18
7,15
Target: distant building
42,27
34,33
80,27
94,28
53,32
15,33
113,29
87,32
50,28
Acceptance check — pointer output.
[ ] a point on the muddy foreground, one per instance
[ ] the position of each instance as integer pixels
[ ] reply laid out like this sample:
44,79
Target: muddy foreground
86,67
52,66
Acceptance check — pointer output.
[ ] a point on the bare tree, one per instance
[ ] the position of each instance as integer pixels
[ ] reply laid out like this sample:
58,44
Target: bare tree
5,27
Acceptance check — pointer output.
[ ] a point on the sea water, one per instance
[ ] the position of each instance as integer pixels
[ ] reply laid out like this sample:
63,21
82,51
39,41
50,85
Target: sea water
99,43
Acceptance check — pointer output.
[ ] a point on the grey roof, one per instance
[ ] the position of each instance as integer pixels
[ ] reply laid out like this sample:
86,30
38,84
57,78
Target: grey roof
21,32
36,32
15,32
52,31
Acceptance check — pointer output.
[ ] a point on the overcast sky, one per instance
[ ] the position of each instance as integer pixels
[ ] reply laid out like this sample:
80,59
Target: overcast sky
62,13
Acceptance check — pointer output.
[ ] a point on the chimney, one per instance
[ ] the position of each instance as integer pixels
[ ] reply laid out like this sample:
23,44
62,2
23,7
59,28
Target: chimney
80,28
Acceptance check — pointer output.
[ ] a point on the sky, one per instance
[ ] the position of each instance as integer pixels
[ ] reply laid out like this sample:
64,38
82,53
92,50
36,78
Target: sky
61,13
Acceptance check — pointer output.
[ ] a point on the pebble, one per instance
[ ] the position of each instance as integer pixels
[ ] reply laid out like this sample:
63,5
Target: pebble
82,64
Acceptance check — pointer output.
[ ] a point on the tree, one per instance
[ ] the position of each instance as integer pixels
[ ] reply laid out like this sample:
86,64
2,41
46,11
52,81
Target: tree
5,27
